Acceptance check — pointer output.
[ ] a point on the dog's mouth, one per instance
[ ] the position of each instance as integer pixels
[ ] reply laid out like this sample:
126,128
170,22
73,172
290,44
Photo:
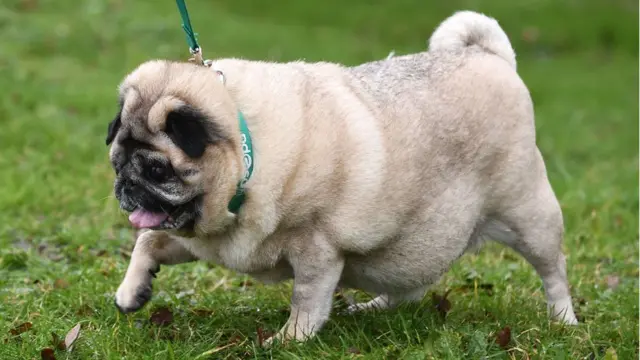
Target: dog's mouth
177,217
141,218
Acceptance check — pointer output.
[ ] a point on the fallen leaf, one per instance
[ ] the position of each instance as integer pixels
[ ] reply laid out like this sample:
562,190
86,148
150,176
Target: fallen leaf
72,335
57,342
503,337
353,350
21,328
613,281
441,303
162,316
47,354
61,284
262,336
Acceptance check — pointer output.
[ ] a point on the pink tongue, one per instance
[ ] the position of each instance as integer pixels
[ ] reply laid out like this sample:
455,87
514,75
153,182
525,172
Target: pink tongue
141,218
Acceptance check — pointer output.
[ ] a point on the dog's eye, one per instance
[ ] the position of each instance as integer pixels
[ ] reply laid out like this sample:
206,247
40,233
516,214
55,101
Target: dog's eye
158,173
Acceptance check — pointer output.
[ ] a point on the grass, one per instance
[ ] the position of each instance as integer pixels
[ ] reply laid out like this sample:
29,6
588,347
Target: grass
63,242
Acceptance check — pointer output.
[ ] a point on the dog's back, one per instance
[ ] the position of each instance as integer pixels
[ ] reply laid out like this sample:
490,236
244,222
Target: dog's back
459,109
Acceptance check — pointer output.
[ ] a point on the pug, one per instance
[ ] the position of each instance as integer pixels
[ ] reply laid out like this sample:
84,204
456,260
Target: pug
374,177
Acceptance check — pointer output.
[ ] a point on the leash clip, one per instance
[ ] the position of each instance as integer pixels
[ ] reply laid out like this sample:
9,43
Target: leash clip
196,56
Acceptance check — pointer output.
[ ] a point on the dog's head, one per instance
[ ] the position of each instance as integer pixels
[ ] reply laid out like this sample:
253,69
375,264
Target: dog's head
175,147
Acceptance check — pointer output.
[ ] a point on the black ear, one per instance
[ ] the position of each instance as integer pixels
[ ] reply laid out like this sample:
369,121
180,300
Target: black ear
190,130
114,125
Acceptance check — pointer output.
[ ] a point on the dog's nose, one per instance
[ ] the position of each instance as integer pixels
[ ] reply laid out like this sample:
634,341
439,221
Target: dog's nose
130,190
125,188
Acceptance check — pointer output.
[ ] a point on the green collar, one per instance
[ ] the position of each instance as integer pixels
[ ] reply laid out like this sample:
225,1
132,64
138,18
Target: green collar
247,161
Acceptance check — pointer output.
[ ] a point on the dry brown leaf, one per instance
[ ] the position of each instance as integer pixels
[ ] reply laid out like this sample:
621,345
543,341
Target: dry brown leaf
47,354
61,284
503,337
21,328
162,316
57,342
72,335
441,303
262,336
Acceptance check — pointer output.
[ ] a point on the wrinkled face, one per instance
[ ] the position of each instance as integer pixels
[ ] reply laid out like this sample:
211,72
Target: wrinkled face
161,143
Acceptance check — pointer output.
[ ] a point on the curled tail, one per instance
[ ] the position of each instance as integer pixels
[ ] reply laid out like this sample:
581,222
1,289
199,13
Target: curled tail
466,28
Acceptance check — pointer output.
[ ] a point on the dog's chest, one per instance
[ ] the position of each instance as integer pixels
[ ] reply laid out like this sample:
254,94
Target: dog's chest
237,253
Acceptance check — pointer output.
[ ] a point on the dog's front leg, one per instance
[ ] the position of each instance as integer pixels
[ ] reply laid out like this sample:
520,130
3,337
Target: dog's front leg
152,249
317,268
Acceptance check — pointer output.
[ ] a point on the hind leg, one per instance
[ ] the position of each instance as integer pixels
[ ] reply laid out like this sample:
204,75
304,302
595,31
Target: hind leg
534,228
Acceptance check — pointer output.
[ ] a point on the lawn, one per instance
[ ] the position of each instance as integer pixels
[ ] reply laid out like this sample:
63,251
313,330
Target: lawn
64,245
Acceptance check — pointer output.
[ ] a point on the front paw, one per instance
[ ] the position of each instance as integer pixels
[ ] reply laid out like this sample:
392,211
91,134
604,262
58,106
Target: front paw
131,296
291,332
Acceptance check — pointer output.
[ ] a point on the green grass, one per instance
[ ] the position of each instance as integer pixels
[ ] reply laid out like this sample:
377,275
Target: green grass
60,63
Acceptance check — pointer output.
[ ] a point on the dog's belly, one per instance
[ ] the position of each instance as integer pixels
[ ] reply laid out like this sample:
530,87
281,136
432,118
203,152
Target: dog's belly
411,262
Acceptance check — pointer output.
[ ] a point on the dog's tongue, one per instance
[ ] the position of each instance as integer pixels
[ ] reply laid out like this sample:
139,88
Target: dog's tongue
141,218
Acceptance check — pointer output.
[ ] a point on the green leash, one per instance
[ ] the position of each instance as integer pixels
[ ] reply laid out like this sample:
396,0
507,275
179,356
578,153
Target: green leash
247,145
186,26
